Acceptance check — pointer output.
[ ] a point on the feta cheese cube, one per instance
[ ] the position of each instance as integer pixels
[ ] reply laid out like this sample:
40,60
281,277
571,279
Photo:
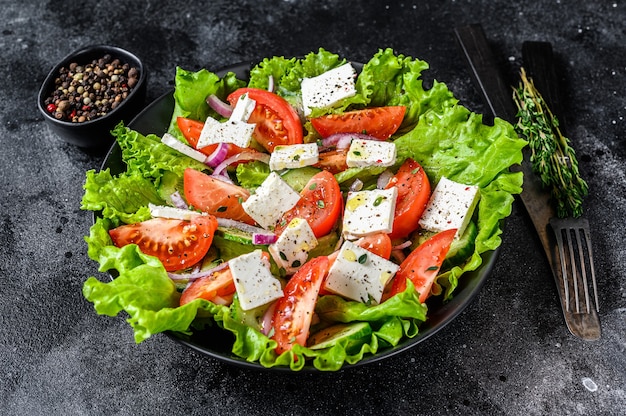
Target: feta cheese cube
163,211
369,212
364,153
328,88
359,275
243,109
291,250
451,205
254,283
176,144
294,156
270,201
236,132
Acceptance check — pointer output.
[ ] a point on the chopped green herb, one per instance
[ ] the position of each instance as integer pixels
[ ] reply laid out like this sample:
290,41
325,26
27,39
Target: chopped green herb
357,153
296,263
282,255
431,268
313,186
379,201
222,209
362,258
320,203
551,157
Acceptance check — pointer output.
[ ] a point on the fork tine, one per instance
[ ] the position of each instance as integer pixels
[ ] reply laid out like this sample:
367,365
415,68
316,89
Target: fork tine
574,269
576,258
592,268
559,240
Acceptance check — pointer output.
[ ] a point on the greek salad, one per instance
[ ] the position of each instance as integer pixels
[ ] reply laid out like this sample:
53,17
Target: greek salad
310,210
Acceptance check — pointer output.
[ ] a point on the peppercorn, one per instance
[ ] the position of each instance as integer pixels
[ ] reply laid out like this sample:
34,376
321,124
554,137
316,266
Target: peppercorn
84,92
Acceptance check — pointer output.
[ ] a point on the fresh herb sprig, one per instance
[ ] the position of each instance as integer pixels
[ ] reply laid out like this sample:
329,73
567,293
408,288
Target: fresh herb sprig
552,158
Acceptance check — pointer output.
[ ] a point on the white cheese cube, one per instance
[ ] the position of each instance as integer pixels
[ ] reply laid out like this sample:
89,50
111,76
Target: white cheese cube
176,144
294,156
369,212
243,109
363,153
359,275
291,250
328,88
254,283
270,201
451,205
172,212
236,132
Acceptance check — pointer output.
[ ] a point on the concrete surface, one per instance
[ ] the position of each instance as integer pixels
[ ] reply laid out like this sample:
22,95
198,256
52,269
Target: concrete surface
508,353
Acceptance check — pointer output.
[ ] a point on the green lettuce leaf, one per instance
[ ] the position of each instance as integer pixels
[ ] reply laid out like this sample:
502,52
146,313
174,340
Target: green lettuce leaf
122,199
191,90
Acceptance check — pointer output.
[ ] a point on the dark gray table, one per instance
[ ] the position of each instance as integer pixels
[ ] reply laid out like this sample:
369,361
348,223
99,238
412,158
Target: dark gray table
509,352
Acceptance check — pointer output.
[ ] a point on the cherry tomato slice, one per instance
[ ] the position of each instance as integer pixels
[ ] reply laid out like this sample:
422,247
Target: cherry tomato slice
191,129
413,193
422,265
379,122
217,197
320,205
178,244
217,284
277,123
294,311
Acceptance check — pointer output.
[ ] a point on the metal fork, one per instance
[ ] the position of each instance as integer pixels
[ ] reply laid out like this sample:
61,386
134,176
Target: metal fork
575,257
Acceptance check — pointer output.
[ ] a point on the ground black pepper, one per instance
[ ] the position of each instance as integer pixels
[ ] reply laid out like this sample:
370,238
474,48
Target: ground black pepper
86,92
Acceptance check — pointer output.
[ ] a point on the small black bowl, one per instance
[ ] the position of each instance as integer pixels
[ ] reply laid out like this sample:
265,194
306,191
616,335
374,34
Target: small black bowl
95,133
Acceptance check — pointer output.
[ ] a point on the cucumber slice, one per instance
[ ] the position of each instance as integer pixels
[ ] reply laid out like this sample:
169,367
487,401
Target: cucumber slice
325,245
235,234
299,177
352,335
462,248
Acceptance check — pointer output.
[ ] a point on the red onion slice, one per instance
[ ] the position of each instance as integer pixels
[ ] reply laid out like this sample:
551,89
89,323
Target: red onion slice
402,246
264,239
218,155
222,108
178,200
260,236
197,275
266,323
343,140
250,155
383,179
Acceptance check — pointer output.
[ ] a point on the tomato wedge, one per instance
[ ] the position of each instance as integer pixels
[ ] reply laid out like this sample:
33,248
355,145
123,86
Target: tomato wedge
178,244
277,123
217,197
191,129
422,265
294,311
413,193
217,284
320,205
333,161
379,122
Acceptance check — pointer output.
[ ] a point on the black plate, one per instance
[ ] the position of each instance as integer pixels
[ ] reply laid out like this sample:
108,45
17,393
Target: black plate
216,342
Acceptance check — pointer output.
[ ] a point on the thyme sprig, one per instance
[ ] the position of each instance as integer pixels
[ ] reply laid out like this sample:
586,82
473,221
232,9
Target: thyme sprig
551,156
